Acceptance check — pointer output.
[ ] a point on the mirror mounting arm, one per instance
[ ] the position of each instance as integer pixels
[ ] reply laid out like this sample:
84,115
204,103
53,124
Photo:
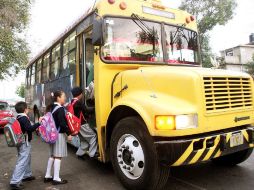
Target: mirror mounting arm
96,51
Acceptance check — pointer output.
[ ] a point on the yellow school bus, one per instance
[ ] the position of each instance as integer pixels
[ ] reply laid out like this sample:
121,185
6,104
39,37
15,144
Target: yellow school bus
156,107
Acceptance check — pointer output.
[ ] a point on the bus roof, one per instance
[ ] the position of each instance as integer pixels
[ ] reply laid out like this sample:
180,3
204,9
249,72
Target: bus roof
149,9
59,38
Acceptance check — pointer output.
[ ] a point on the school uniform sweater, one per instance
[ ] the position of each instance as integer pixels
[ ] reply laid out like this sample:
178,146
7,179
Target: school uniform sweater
60,119
26,126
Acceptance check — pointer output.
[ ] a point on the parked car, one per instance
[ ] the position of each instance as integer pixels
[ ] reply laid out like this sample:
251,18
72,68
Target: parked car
5,113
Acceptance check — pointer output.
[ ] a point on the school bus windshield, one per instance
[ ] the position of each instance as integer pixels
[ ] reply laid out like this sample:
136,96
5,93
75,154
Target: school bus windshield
126,41
181,45
132,40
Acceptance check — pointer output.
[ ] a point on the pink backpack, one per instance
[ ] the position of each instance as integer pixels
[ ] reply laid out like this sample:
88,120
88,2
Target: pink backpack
48,130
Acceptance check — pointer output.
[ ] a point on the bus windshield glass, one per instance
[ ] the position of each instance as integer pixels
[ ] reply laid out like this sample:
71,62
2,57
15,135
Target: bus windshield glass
181,46
132,40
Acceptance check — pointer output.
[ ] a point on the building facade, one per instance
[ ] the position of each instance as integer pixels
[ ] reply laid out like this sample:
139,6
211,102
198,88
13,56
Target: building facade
237,57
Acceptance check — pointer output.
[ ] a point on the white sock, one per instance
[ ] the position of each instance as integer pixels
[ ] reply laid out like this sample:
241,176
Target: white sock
57,165
49,167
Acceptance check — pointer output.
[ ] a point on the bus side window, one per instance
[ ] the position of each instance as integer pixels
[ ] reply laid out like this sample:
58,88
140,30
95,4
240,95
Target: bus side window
33,74
89,64
69,55
28,76
55,63
89,61
45,69
38,71
69,58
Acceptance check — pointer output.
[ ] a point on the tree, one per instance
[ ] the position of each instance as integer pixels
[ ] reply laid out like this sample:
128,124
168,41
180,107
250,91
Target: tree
250,67
21,91
209,14
14,17
206,52
222,63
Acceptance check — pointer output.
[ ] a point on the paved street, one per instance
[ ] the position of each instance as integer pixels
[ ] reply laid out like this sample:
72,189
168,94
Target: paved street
92,175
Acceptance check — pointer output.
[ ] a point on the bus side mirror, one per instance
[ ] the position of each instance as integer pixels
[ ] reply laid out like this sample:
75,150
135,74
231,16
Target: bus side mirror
97,34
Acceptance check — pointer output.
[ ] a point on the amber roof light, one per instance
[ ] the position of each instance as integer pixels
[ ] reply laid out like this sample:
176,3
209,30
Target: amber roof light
111,1
123,5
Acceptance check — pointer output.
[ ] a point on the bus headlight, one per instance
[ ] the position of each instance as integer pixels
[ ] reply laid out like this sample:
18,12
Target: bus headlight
186,121
177,122
165,122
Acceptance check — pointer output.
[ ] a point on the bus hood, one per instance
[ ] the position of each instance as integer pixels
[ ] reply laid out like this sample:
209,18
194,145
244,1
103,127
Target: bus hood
187,84
170,90
195,71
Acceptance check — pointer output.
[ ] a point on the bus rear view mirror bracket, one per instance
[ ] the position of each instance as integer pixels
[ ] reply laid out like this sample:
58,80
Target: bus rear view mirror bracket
97,34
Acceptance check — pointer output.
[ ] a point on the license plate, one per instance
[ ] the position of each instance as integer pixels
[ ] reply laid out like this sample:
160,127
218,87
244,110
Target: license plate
236,139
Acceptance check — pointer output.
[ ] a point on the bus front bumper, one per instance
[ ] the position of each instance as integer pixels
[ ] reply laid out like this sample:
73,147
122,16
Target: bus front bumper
202,148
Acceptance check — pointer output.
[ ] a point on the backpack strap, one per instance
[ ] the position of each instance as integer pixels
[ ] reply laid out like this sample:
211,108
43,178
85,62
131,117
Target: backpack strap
74,101
82,117
20,116
56,108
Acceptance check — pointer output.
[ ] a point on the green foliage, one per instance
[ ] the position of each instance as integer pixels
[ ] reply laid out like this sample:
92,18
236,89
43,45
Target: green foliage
222,63
21,91
206,51
14,17
209,14
250,67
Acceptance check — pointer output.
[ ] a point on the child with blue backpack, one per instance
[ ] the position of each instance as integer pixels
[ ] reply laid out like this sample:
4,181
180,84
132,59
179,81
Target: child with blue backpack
58,150
22,171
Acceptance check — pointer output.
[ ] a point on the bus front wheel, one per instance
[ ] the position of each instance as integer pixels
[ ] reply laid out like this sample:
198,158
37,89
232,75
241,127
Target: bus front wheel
134,157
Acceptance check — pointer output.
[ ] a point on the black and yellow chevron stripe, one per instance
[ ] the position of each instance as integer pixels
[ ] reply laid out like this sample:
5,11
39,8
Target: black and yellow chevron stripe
191,156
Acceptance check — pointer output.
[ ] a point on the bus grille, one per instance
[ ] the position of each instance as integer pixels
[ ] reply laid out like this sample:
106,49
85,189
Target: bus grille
227,93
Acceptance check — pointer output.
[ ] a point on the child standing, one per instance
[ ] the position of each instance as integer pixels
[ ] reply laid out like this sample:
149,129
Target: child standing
59,149
22,171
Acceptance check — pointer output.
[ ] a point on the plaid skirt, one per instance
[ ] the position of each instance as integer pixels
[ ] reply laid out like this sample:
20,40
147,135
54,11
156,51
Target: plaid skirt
59,149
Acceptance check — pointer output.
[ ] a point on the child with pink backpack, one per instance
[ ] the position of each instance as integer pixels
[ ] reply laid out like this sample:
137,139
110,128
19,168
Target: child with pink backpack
57,137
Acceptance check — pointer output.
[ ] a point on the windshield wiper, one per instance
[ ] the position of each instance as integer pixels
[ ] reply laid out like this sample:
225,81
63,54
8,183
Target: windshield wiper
146,29
150,33
178,33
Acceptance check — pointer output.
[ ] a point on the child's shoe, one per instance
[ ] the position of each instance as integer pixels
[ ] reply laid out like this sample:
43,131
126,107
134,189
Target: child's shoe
16,186
48,179
31,178
63,181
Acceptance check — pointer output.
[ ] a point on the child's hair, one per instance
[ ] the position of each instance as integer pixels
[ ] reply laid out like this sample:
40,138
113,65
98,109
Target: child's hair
20,107
48,108
54,97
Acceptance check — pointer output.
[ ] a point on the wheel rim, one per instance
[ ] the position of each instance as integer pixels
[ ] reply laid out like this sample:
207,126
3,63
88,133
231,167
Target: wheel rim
130,156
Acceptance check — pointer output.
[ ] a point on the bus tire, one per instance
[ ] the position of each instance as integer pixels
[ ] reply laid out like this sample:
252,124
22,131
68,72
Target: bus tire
233,159
134,157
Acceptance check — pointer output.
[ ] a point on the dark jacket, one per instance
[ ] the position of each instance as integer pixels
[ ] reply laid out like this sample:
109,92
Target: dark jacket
26,126
60,119
80,107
